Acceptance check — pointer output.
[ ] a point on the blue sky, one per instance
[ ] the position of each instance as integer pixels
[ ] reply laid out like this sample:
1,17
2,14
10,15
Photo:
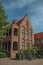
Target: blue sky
16,9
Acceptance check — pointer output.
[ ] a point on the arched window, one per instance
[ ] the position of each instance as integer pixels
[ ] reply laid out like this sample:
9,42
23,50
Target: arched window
15,31
15,46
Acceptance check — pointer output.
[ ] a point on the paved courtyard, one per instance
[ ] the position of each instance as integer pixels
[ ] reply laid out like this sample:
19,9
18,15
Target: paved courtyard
8,61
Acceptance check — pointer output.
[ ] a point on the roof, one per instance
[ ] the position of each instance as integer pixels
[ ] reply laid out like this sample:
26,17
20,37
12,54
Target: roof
38,35
18,22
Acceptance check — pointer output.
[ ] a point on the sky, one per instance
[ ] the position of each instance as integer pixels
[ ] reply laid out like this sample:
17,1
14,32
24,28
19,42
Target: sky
17,9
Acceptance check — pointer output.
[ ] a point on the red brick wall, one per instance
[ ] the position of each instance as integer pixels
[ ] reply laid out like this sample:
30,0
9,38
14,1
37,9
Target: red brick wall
38,40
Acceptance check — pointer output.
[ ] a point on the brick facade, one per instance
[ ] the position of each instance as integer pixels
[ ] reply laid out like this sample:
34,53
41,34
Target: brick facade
38,39
19,37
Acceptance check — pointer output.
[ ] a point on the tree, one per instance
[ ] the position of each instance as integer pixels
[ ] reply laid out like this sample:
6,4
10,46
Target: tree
3,22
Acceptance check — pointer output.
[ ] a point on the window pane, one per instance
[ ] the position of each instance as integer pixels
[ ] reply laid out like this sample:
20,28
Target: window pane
15,46
15,32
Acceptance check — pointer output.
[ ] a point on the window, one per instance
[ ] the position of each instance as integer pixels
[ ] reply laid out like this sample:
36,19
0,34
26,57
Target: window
26,23
23,45
4,34
7,33
15,46
9,45
5,46
35,41
42,41
15,32
26,35
2,46
26,26
23,40
30,35
23,33
10,32
27,44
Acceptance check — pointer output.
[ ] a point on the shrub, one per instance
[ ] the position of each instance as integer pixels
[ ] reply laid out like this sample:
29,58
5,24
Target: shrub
2,55
22,56
32,53
18,56
41,55
30,57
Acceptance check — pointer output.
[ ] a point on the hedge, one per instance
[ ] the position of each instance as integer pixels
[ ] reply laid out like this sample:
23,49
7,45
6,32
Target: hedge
3,55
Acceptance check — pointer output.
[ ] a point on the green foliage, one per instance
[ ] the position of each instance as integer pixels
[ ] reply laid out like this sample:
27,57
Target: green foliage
3,22
2,55
30,57
20,55
39,55
32,53
3,17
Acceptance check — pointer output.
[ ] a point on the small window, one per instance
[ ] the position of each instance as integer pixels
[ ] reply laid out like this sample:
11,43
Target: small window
10,32
2,46
15,46
42,41
26,25
9,45
15,32
23,33
27,35
23,45
7,33
30,35
5,46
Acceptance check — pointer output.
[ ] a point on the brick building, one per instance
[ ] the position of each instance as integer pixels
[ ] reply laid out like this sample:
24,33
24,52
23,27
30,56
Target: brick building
19,37
38,40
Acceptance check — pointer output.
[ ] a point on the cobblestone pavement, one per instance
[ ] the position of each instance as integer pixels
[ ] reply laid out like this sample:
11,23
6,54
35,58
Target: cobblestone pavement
8,61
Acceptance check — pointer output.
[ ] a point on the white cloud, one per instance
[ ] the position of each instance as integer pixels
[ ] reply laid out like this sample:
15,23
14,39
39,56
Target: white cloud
37,16
36,10
18,4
